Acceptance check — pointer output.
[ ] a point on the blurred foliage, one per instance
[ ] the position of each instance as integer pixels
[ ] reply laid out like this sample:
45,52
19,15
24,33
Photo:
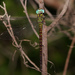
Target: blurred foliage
58,45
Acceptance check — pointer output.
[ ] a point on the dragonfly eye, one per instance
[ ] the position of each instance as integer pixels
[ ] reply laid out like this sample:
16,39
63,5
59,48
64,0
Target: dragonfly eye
39,11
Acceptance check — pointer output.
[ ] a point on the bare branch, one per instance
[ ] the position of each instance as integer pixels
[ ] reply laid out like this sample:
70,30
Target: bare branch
33,4
25,11
59,16
14,55
33,45
49,14
68,56
67,33
15,43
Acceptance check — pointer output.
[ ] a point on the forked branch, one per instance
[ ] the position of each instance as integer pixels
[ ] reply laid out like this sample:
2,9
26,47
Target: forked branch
59,16
25,11
15,43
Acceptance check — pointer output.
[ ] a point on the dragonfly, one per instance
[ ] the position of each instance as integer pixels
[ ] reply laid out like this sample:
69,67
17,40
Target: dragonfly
21,26
40,15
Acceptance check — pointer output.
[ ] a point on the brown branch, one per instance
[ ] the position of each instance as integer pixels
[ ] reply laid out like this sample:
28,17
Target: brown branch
14,55
44,49
68,34
44,43
49,14
33,4
59,16
15,43
68,56
25,11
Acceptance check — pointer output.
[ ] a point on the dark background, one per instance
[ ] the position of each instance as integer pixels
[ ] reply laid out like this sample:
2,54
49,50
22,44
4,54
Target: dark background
58,44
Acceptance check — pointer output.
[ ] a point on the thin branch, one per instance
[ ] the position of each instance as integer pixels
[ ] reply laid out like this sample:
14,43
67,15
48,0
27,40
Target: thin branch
25,11
59,16
68,56
14,55
15,43
67,33
33,4
23,53
49,14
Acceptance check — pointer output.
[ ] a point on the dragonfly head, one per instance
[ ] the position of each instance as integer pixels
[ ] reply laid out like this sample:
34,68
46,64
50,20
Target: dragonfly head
39,11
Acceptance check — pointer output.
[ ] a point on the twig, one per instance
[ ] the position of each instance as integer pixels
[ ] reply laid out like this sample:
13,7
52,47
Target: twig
49,14
59,16
15,43
25,11
33,45
14,55
68,34
68,56
33,4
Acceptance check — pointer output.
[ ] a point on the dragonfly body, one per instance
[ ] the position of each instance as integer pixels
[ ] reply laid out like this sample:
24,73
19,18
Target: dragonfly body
40,22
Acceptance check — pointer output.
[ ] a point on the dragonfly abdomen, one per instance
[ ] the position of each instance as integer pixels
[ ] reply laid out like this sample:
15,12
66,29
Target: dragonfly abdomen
40,22
40,43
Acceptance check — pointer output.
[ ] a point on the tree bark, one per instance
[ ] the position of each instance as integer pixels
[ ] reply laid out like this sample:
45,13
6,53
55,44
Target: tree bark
44,43
44,50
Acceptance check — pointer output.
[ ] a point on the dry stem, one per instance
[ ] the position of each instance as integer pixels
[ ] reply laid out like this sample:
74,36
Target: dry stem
10,31
68,56
25,11
59,16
